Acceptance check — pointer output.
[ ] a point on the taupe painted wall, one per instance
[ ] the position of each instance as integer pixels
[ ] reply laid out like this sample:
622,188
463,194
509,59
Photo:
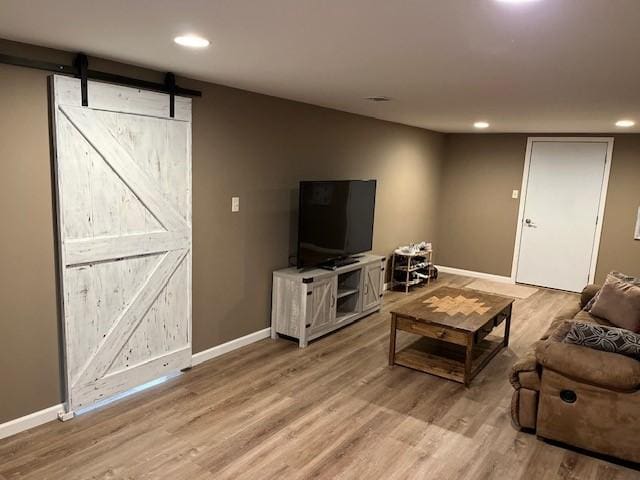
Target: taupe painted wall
618,250
259,148
478,217
29,331
245,144
476,229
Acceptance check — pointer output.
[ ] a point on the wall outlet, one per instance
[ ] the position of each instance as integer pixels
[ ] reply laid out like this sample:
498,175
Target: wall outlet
235,204
515,194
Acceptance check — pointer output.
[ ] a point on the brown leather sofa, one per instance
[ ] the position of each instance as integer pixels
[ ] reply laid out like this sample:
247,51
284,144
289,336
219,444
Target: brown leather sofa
576,395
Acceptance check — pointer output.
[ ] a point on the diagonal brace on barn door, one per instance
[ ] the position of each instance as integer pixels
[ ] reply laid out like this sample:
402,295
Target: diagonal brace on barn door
98,364
93,129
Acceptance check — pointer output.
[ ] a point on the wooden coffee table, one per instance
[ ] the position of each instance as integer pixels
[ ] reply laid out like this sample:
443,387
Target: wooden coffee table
454,324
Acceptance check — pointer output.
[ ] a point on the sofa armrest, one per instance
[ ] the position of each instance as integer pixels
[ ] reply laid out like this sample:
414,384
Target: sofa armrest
588,293
603,369
525,372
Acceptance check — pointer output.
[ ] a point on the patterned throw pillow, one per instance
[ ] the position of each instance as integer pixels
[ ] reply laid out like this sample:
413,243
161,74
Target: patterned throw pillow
619,276
607,339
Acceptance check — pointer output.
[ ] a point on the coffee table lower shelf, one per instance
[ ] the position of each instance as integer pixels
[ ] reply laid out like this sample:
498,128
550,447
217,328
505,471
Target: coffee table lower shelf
447,360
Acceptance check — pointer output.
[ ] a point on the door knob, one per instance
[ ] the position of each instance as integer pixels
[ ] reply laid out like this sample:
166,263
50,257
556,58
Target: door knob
530,223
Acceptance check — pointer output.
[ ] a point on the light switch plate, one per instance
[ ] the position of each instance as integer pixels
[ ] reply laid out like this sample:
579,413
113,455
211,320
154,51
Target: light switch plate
515,194
235,204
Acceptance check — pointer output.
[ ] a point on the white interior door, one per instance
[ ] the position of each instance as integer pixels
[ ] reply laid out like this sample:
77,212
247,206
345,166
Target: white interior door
123,174
561,208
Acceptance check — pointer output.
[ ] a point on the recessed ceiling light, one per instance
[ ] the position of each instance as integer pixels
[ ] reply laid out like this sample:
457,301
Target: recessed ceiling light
481,125
625,123
516,1
378,98
192,41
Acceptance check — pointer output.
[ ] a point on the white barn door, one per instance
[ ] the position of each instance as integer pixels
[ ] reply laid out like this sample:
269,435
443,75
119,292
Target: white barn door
123,173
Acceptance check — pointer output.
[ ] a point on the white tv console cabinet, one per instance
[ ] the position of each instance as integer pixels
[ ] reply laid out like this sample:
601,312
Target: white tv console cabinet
307,304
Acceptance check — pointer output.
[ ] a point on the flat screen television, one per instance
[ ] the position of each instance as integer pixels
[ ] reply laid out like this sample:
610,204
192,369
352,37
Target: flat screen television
335,221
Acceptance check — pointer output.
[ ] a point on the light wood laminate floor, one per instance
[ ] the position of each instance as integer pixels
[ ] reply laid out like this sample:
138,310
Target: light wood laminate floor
333,410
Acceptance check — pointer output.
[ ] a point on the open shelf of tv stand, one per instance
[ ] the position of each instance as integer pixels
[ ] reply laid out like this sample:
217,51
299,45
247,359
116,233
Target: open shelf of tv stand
345,292
344,317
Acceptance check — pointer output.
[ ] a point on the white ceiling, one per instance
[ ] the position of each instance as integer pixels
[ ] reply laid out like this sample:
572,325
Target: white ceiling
540,66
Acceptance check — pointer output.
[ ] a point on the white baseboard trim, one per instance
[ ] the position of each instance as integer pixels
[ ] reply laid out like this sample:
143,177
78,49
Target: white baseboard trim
470,273
30,421
218,350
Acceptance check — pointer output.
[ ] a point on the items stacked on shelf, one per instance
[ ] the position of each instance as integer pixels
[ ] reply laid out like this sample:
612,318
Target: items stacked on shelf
412,265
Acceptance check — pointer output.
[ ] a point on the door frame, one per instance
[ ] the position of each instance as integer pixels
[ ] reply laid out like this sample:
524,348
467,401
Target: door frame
601,207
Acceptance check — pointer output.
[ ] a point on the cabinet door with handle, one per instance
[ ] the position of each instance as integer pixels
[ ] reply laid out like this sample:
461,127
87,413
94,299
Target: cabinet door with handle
321,303
372,286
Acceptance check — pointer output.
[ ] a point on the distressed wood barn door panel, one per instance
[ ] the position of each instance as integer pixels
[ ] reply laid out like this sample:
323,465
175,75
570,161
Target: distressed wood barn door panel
123,174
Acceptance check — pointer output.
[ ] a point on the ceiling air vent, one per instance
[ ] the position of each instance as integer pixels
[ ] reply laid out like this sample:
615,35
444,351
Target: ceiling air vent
378,99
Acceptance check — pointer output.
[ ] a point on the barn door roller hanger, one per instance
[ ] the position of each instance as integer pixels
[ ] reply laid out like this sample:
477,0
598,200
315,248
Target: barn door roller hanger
80,69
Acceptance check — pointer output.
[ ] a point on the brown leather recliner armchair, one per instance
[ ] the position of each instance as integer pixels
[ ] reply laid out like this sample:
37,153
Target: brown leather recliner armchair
576,395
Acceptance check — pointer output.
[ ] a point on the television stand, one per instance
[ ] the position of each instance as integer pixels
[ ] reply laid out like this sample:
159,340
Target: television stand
309,304
337,263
